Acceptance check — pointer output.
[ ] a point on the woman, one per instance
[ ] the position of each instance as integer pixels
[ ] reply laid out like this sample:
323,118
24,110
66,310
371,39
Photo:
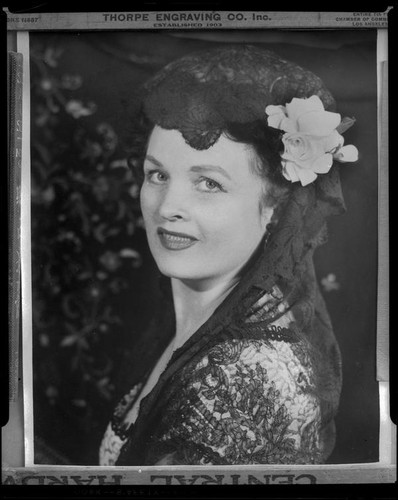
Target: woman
235,157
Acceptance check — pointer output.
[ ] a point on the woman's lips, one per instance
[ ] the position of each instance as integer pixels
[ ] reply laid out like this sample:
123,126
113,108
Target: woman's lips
175,241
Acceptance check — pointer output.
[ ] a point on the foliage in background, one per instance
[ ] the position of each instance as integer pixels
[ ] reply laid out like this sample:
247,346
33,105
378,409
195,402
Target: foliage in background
85,218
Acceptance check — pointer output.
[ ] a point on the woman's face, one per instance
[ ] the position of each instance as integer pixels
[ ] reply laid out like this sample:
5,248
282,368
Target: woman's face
202,209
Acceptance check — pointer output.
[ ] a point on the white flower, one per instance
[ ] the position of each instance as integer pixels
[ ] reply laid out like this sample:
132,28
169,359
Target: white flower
311,140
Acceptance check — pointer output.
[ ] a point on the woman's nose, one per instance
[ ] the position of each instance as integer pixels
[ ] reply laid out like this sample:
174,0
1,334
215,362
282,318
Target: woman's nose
174,203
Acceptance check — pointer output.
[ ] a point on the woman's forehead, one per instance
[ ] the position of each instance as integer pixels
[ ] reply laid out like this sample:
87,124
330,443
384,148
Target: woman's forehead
169,146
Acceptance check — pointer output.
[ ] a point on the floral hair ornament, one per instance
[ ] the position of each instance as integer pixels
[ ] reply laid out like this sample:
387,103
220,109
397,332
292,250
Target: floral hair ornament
312,138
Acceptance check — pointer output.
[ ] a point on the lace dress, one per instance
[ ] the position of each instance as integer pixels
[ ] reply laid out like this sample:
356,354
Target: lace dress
245,401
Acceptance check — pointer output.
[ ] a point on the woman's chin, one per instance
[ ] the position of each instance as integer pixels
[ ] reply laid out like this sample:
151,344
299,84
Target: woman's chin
181,272
182,269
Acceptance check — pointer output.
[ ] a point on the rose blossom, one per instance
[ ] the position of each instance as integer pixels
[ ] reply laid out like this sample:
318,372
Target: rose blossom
311,140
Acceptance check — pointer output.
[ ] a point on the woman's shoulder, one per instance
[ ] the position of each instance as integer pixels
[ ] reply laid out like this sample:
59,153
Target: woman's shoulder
252,395
264,371
275,356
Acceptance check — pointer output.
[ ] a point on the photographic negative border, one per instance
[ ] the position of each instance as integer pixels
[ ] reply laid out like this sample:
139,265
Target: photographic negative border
383,471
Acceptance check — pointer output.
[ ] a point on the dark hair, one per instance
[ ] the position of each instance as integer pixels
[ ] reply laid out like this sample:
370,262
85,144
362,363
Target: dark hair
267,145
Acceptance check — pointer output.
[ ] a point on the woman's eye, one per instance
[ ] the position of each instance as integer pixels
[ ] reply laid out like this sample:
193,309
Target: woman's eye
156,177
209,185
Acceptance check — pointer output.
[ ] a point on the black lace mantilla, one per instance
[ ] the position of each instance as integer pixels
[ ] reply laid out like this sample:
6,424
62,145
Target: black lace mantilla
202,92
204,408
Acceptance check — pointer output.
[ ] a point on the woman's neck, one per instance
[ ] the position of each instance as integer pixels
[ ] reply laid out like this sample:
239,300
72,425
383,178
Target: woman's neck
195,302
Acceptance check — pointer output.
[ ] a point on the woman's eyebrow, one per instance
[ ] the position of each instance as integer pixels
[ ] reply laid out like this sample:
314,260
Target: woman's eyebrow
210,168
153,160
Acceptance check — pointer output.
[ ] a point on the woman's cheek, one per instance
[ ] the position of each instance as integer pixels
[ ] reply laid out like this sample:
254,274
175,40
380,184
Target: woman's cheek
149,201
219,222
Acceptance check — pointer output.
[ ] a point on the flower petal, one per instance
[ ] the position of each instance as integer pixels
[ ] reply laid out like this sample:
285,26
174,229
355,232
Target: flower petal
299,106
288,125
323,164
315,102
346,154
275,115
318,123
275,120
333,142
289,172
306,176
275,110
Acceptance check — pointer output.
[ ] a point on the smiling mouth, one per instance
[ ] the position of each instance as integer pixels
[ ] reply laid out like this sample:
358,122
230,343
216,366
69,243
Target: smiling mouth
175,241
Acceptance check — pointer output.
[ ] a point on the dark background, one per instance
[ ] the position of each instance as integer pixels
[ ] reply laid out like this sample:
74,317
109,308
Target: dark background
93,277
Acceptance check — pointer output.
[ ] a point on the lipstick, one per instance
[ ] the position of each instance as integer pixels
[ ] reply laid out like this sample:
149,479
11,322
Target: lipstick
175,241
